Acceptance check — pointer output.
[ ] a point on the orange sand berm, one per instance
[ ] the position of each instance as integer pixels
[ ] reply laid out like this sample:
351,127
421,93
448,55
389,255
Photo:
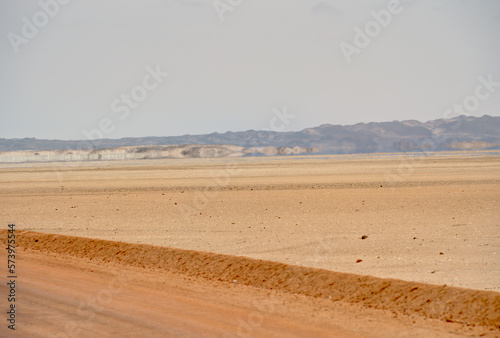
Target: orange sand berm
314,231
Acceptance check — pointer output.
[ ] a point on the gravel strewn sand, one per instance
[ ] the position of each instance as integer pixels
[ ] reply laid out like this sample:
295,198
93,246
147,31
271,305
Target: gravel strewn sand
436,221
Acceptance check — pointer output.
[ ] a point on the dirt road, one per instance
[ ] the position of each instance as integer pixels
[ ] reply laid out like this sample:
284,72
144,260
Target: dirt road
67,289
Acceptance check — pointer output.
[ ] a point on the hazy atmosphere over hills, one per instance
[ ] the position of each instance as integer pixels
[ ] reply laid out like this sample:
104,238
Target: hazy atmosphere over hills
460,133
176,67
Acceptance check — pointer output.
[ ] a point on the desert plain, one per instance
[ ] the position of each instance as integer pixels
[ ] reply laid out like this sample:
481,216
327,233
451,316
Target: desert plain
320,245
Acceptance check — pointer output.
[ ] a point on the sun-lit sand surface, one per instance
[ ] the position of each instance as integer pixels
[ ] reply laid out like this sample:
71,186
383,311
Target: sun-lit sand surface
432,219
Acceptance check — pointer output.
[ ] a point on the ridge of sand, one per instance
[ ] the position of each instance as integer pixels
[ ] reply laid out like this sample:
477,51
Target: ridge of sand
449,304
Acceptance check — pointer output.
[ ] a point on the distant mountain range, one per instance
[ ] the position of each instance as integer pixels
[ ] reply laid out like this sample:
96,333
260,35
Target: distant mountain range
459,133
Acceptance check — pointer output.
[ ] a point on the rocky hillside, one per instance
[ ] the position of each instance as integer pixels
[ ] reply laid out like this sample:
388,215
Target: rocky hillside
147,152
459,133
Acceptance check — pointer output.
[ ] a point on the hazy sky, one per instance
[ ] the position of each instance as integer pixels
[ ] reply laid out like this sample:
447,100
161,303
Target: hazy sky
87,65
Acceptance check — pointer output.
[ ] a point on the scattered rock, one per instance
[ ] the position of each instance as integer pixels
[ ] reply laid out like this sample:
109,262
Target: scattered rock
359,260
441,253
364,237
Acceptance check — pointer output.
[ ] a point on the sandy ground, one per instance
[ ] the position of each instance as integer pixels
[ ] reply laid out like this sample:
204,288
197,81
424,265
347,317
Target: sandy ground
432,219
